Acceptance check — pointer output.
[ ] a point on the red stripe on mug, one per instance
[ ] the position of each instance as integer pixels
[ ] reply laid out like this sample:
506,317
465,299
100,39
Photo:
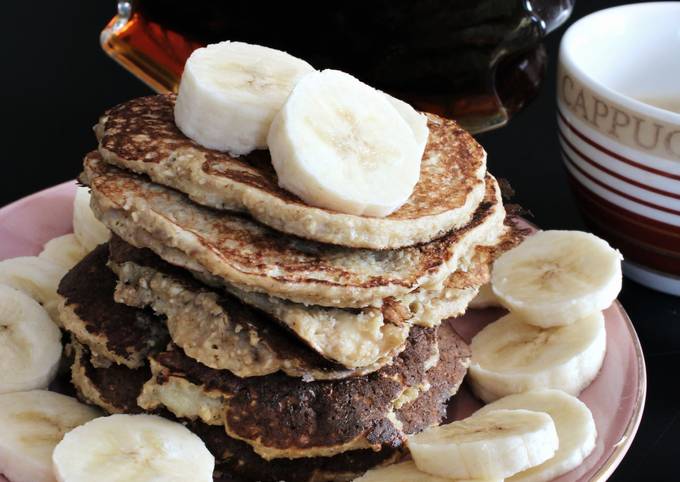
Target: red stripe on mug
616,191
631,221
614,154
614,224
604,169
633,250
634,224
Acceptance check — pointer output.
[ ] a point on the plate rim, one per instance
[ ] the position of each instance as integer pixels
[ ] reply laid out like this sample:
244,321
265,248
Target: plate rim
623,445
621,448
28,197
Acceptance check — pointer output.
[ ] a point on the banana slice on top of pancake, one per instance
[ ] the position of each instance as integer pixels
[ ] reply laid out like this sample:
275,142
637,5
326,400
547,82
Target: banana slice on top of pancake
340,144
230,92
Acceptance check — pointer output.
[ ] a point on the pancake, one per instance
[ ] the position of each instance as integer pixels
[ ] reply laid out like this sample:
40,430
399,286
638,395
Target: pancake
444,379
452,298
283,417
115,389
342,336
140,135
236,461
252,257
360,340
222,332
115,333
424,306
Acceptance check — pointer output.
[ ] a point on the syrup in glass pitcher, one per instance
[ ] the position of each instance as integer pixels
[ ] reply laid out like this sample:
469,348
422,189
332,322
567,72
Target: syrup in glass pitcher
477,61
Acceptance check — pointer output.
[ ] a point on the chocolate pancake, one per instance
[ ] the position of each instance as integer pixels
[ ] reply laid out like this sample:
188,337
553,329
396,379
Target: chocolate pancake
283,417
253,257
114,332
114,388
118,387
236,461
141,135
444,378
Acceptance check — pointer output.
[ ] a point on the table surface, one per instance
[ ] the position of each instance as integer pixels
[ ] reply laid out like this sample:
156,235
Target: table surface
56,81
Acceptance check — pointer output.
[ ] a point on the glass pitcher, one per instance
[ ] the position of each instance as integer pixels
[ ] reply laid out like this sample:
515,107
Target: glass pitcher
477,61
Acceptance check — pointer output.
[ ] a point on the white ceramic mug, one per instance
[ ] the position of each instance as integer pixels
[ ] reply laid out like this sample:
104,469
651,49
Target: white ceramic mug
618,99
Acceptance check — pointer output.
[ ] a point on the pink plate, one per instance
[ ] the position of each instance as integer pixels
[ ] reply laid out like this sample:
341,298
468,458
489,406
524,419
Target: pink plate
616,397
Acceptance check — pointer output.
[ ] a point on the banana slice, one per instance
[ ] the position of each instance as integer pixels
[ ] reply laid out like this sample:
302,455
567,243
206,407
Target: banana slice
557,277
143,448
231,91
573,421
416,121
66,251
485,298
493,445
510,356
408,472
87,228
339,144
37,277
32,425
30,344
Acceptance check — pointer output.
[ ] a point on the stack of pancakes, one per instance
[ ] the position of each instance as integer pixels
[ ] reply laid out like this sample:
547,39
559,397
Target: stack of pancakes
301,344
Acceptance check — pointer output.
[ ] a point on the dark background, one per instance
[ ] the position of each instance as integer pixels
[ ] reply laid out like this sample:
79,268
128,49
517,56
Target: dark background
56,81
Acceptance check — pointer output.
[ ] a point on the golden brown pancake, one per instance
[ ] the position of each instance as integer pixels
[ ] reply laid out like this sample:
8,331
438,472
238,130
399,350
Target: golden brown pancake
252,257
141,135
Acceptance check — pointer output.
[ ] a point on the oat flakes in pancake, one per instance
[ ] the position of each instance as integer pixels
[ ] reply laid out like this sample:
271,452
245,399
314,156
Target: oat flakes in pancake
116,388
222,332
361,340
283,417
141,135
252,257
114,332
